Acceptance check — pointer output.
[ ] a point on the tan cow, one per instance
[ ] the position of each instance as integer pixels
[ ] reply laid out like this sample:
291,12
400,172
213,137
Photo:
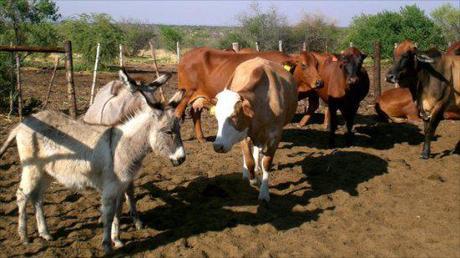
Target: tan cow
259,99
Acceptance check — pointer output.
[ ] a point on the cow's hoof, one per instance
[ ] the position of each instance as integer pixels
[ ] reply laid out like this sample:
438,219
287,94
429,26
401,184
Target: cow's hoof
138,224
425,156
46,236
25,240
201,139
264,194
254,181
117,243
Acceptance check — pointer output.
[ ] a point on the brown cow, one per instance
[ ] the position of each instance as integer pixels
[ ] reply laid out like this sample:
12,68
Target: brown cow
203,72
260,99
454,49
346,83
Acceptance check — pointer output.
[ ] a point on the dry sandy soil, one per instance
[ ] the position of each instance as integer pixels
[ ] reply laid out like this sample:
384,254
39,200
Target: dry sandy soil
376,199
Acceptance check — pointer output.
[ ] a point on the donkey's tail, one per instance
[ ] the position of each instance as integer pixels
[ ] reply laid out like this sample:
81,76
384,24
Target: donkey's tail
9,140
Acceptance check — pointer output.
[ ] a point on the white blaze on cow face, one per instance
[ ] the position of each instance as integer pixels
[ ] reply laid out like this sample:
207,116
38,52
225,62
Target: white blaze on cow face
227,134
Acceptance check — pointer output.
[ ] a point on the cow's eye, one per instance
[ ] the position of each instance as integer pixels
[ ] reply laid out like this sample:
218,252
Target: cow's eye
304,66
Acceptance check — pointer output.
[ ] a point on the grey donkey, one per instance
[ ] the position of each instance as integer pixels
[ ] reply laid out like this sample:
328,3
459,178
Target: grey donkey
53,146
114,103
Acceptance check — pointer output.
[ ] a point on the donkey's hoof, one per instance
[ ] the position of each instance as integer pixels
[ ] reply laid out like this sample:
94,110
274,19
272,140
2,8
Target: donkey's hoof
117,243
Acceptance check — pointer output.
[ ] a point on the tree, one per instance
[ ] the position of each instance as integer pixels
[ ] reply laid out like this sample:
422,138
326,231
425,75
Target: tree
19,15
318,33
447,17
265,27
169,37
137,35
392,27
87,30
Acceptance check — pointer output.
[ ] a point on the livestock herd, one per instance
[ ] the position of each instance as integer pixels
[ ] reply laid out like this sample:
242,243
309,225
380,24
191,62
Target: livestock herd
253,95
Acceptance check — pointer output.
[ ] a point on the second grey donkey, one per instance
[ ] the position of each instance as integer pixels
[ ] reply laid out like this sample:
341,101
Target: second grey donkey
53,146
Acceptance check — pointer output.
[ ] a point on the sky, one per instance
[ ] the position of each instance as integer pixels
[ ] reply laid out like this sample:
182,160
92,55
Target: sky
225,13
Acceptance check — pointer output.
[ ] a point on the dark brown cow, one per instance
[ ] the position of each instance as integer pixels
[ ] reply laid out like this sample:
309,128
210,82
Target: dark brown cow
398,104
204,72
346,83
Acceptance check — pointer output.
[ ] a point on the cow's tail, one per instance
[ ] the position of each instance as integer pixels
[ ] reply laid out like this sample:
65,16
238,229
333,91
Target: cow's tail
382,116
180,109
9,140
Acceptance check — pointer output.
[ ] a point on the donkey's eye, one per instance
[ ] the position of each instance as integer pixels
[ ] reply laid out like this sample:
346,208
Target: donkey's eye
169,132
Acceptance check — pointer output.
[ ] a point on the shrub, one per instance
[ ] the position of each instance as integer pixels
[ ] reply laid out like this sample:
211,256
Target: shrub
137,36
169,37
447,17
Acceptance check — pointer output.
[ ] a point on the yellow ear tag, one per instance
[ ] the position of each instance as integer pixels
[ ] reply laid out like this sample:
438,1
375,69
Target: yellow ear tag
287,67
212,110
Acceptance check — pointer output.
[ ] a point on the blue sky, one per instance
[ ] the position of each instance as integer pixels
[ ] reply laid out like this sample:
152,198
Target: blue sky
225,12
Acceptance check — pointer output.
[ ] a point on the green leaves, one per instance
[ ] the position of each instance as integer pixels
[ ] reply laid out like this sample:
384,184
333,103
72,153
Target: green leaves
447,17
169,37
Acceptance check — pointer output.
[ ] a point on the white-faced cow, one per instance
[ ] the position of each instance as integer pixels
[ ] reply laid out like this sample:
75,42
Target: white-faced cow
260,98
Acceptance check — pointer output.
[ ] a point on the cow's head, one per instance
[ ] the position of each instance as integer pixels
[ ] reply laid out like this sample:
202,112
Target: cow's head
351,61
404,62
164,135
233,115
306,72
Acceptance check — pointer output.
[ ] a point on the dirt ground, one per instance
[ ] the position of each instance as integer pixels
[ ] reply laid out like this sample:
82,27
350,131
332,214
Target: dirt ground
376,199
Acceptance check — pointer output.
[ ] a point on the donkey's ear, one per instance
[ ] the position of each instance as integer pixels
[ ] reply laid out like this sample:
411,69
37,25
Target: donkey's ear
124,77
161,80
176,99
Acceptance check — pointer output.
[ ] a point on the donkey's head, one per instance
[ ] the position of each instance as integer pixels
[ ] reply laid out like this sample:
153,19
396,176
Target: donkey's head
164,128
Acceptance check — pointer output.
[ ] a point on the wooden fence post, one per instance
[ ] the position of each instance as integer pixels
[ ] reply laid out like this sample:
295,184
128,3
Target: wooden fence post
121,55
13,83
18,83
178,51
280,45
377,88
154,57
351,44
70,82
93,85
236,47
257,46
304,46
50,85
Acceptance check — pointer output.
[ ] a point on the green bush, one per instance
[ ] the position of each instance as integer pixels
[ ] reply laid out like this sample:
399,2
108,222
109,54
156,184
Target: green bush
89,29
169,37
447,17
392,27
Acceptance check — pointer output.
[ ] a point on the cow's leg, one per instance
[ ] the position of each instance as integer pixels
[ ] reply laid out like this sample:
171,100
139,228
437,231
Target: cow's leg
256,153
248,160
115,234
180,109
313,104
109,205
349,116
131,201
326,118
267,161
196,116
332,122
37,200
430,128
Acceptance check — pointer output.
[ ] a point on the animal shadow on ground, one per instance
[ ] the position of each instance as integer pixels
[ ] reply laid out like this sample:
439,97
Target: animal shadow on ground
215,204
368,134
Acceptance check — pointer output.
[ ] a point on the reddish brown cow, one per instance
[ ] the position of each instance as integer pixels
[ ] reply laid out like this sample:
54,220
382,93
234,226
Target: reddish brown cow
454,49
204,72
346,83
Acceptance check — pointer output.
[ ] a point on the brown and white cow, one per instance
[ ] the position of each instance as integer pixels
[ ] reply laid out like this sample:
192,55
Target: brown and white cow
203,72
259,100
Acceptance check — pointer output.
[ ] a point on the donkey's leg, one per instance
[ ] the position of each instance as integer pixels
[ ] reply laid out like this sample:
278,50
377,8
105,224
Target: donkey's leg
109,204
115,235
37,200
131,201
30,180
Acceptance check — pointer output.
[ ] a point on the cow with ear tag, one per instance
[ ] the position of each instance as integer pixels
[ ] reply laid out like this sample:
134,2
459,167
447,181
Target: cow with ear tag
258,101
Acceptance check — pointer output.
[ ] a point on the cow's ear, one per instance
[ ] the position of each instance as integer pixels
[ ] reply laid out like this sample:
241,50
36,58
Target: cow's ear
247,108
124,77
424,58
